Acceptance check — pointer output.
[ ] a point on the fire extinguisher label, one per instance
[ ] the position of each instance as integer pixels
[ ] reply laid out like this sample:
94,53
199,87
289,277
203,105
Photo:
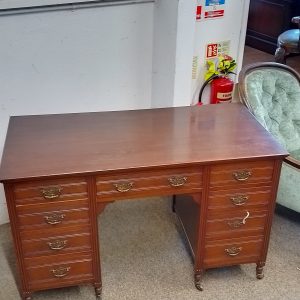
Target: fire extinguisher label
224,96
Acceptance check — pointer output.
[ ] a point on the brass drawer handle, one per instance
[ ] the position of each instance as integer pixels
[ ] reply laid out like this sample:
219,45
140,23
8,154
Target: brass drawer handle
57,245
177,181
233,251
239,223
60,272
123,187
239,199
242,175
54,219
51,192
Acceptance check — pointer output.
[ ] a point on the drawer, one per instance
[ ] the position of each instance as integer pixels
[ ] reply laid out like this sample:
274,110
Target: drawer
53,214
58,270
241,174
56,241
237,223
239,197
232,251
138,184
50,190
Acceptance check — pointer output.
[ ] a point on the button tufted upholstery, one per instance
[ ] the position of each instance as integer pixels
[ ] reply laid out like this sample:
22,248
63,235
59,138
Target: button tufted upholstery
271,91
279,112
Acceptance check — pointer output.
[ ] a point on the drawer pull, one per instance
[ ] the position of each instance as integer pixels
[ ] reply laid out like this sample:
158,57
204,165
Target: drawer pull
123,187
60,272
239,200
233,251
242,175
239,223
57,245
54,219
51,192
177,181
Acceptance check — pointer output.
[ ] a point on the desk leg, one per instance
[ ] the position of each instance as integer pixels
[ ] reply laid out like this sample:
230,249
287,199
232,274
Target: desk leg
98,285
202,202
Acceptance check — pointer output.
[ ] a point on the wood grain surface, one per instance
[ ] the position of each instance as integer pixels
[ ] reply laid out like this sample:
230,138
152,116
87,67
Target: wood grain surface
50,145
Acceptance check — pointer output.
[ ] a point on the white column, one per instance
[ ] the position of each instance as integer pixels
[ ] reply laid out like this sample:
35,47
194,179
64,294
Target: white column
174,27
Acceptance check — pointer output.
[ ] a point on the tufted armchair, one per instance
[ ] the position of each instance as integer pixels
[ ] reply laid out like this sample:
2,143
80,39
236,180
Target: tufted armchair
271,91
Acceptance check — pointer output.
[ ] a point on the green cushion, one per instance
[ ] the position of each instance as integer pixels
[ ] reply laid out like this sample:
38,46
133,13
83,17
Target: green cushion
274,96
296,154
289,188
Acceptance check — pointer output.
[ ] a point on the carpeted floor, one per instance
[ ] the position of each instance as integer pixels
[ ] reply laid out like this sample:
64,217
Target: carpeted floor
144,257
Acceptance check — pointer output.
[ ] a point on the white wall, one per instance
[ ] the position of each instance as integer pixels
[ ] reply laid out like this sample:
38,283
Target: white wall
73,61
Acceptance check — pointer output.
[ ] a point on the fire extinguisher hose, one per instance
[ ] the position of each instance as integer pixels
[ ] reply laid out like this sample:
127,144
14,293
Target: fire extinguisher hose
204,85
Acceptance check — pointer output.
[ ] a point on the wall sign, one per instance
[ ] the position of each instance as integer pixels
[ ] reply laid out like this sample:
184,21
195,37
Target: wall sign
214,9
214,50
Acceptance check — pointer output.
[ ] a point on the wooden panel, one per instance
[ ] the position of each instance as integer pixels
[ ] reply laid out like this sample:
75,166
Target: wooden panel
187,211
41,215
241,197
41,271
229,224
267,20
32,192
56,241
248,249
260,172
149,183
267,17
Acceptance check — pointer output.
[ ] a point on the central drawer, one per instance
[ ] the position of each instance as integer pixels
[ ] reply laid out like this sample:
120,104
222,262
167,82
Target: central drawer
149,183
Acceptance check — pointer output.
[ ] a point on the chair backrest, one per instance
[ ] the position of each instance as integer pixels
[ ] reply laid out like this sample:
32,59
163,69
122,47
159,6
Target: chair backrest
271,91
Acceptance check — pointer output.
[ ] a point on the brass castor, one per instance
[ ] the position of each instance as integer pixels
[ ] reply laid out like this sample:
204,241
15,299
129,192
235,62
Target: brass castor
198,282
260,270
98,292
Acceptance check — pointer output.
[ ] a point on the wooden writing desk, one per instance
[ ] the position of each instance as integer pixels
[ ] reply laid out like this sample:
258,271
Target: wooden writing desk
60,171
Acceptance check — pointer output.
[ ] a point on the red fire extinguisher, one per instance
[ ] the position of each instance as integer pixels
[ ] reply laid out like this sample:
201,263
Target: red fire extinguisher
221,90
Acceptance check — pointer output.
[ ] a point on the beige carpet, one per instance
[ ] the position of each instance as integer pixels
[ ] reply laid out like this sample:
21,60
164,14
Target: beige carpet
144,257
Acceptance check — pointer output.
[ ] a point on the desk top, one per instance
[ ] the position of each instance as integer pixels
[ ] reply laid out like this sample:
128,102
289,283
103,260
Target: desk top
64,144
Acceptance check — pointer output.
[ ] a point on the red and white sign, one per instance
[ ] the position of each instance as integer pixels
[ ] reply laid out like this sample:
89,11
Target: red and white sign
214,50
214,14
198,13
211,50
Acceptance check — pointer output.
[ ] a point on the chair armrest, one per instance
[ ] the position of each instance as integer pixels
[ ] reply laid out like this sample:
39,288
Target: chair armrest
292,162
296,20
